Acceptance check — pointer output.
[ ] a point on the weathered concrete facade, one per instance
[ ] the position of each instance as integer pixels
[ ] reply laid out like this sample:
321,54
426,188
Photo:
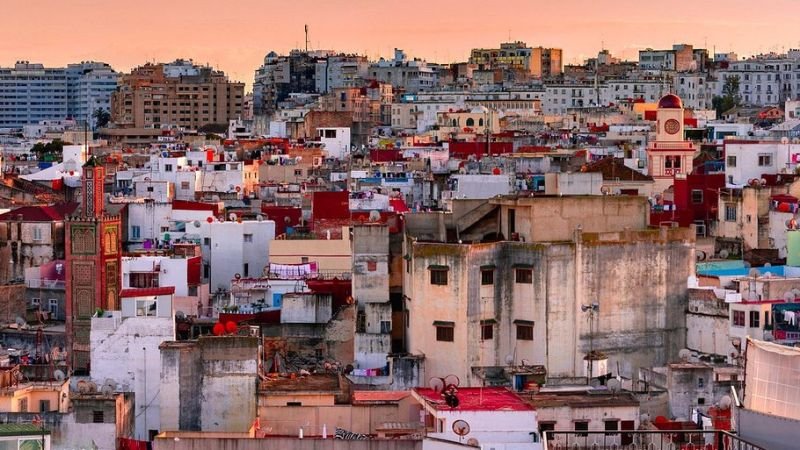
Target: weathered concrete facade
209,384
371,293
637,277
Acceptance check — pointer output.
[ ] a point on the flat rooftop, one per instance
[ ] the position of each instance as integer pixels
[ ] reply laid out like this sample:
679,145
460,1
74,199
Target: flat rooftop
477,399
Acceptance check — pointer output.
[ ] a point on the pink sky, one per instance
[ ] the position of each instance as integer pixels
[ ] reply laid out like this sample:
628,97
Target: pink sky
234,35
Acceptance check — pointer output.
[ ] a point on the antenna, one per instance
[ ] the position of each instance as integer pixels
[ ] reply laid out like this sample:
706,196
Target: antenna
306,28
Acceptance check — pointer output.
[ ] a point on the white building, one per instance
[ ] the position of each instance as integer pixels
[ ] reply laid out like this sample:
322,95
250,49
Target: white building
496,418
181,273
231,248
338,71
336,141
749,160
125,351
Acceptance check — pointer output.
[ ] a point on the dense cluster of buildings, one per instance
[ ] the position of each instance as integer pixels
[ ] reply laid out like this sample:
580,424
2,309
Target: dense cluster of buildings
502,253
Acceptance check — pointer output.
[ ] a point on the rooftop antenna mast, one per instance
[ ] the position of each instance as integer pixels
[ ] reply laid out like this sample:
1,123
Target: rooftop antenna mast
306,28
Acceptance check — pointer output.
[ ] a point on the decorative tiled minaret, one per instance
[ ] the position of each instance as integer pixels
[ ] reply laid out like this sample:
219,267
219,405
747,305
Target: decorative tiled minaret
93,252
670,154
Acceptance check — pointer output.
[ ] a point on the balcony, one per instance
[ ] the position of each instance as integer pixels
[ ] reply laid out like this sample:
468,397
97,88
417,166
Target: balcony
646,440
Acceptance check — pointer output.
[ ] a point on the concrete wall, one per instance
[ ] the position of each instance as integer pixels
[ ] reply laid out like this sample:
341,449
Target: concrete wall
306,308
547,219
287,420
686,386
127,352
640,323
772,432
329,254
228,392
188,443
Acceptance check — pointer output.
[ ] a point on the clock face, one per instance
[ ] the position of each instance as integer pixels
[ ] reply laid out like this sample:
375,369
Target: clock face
672,126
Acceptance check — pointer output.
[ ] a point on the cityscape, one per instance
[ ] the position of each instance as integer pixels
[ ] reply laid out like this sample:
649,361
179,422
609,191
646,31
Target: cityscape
509,247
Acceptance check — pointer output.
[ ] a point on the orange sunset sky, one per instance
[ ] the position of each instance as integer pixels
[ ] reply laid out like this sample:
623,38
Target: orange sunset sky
234,35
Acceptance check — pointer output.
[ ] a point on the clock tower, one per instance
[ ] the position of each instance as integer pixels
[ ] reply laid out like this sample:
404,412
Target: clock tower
93,255
669,154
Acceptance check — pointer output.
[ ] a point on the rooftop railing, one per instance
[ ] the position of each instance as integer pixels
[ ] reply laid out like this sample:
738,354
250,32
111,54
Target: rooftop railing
646,440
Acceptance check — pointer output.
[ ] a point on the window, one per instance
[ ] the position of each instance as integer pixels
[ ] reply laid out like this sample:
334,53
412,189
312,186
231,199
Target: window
730,212
372,266
544,427
764,160
35,301
298,172
37,233
731,161
98,416
766,318
487,277
164,229
22,405
523,275
136,232
755,319
386,326
611,425
246,270
738,318
149,188
439,277
294,403
185,185
167,167
248,238
207,241
697,196
487,330
44,405
701,401
525,331
143,279
145,308
582,425
53,305
444,331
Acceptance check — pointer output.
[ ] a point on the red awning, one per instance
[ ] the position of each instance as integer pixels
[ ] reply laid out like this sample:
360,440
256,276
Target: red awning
147,292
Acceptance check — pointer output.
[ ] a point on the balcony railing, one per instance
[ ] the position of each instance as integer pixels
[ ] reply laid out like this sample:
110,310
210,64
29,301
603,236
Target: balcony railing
646,440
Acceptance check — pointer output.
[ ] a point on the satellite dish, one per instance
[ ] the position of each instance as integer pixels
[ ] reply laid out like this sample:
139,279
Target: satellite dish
59,375
260,218
724,254
784,140
754,273
451,380
21,323
196,224
232,217
180,315
767,265
461,427
374,216
509,360
684,354
725,402
83,387
473,442
767,274
436,384
644,418
107,390
789,296
614,385
92,387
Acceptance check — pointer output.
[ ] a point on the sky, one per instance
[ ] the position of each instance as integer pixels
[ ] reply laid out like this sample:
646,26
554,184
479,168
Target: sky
234,35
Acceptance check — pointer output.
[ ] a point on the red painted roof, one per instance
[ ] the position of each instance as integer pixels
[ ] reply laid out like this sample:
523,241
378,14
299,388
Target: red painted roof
379,396
40,213
478,399
195,206
670,101
147,292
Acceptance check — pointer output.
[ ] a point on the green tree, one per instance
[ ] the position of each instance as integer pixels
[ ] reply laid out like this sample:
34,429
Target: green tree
50,151
730,95
101,117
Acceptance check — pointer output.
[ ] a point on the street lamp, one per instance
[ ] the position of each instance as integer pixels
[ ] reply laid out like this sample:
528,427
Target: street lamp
592,309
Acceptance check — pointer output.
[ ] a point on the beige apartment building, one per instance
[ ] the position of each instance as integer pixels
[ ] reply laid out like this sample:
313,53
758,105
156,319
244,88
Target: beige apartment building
177,94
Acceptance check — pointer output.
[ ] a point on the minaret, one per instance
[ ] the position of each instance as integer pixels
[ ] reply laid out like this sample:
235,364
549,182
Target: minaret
93,252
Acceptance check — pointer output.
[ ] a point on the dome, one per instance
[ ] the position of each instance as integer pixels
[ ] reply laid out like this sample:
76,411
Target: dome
670,101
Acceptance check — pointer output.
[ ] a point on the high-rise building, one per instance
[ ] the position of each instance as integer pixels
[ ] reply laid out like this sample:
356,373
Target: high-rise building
179,94
281,75
93,253
30,93
538,62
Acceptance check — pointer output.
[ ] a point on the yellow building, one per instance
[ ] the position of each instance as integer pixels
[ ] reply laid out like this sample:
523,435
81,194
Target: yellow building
331,255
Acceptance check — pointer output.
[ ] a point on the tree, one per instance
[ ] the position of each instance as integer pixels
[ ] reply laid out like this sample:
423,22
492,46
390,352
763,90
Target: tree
730,95
50,151
101,118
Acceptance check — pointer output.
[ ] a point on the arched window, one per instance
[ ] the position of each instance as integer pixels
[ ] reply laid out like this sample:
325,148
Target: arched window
455,123
480,122
470,122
